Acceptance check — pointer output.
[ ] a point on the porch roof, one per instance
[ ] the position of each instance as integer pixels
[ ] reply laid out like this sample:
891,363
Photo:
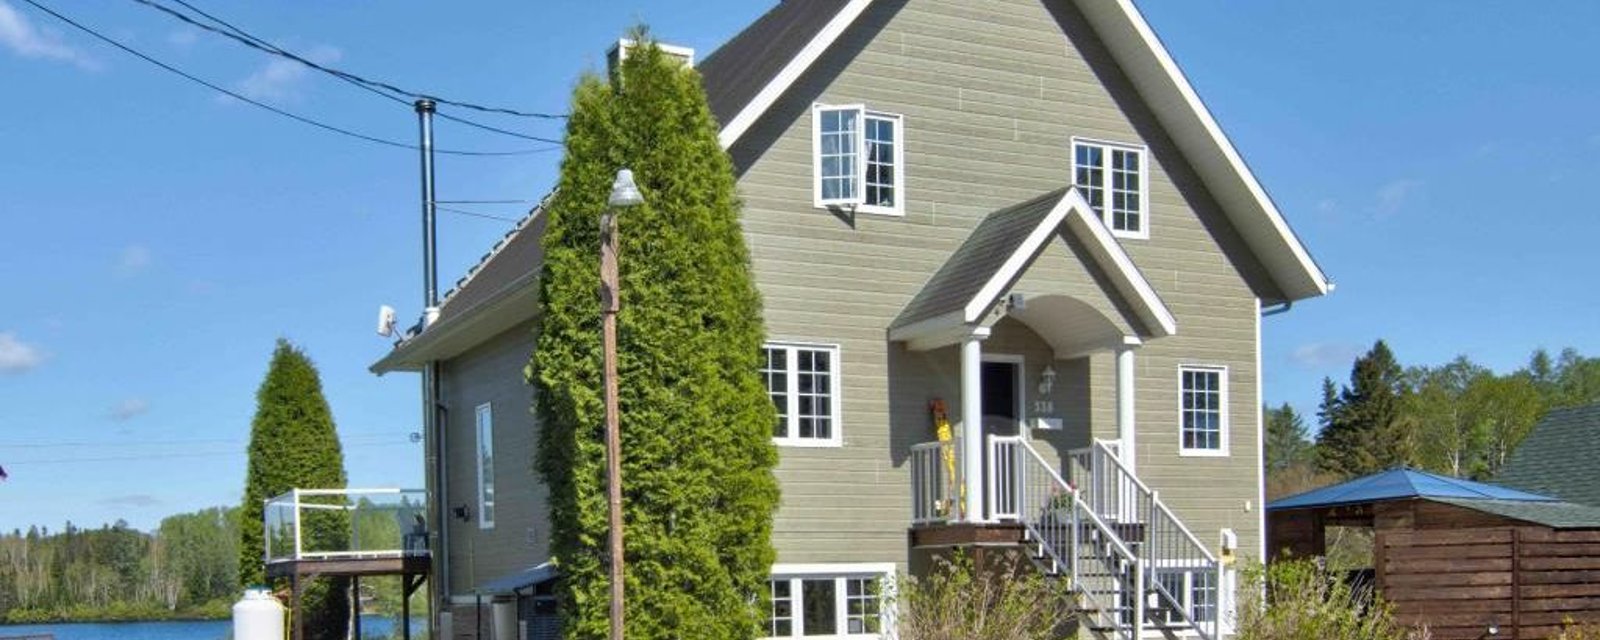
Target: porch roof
1002,247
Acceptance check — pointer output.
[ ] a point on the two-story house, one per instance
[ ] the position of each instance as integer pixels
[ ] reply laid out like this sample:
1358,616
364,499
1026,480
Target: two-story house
1018,210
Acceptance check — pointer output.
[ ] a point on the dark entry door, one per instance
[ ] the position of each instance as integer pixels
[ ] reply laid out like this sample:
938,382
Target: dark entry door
1001,397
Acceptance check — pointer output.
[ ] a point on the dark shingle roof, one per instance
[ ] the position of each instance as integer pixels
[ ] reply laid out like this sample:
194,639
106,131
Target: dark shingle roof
1558,515
1559,457
1400,484
978,259
740,68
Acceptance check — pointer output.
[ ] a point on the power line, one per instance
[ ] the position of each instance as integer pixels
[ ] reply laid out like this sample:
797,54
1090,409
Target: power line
252,41
475,214
484,201
353,437
268,107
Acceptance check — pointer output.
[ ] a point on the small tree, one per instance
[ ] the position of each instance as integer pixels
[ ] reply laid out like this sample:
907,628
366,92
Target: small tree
697,452
293,443
1298,599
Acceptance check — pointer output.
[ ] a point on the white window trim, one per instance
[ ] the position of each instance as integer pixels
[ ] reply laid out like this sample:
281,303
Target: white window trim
1145,173
1225,603
858,203
884,571
1225,426
836,433
485,521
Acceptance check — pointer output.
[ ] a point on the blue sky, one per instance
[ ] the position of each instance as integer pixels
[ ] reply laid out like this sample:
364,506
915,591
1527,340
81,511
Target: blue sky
1440,159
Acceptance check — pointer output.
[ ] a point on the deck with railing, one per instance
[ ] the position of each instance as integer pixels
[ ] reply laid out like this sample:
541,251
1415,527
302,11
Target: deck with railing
366,530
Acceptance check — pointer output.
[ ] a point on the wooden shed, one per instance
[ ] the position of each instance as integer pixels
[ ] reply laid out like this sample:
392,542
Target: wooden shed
1469,560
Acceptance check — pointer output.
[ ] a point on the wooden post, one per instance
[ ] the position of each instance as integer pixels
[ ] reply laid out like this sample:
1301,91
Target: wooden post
295,613
610,303
355,605
405,606
1516,583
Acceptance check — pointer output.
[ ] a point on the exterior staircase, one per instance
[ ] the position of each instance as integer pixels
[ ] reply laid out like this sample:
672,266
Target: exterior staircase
1132,564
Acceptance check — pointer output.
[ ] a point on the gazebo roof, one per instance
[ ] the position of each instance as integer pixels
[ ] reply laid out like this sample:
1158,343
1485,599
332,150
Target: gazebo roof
1401,484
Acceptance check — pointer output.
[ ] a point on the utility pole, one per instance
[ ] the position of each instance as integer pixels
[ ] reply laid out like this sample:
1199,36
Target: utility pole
623,194
440,553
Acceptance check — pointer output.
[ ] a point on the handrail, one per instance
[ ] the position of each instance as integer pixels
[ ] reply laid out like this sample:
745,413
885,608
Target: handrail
1154,497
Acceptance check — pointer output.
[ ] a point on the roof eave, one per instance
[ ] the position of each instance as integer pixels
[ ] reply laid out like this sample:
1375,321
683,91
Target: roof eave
1175,103
515,303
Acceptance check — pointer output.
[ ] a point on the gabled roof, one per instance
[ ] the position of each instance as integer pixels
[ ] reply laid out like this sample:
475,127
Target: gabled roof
1402,484
996,253
1558,457
1137,51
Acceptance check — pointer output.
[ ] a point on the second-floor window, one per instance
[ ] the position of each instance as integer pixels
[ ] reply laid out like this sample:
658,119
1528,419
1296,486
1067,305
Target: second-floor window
1114,179
859,159
1203,410
485,420
803,382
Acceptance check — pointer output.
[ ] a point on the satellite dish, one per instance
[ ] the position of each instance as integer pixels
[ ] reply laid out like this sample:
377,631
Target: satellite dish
386,321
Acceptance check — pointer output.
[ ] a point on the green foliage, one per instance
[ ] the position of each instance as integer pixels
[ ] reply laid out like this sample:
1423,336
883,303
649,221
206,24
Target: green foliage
1007,601
294,444
1365,429
696,421
1288,443
184,570
1298,600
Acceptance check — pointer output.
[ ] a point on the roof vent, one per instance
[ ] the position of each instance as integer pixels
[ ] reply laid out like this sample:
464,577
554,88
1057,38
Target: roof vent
619,52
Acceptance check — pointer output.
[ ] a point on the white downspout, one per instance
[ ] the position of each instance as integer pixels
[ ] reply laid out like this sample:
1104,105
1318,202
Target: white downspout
972,423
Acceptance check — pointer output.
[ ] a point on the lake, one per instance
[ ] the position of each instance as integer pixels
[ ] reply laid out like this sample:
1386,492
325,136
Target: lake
371,627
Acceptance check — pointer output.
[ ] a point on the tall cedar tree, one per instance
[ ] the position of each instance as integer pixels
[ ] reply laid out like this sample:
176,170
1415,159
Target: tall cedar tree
1366,429
697,452
293,444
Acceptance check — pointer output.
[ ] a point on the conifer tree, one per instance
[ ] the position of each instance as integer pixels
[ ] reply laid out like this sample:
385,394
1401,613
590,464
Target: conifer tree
1366,429
697,454
294,444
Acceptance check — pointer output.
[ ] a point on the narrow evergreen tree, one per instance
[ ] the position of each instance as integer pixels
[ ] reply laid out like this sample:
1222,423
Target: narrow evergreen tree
1367,431
293,444
1287,444
697,454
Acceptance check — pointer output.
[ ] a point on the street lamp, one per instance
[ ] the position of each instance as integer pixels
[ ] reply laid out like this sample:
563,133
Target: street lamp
624,193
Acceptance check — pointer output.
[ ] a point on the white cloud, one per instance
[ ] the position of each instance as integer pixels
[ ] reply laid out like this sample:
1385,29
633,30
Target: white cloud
22,38
1317,355
137,501
17,356
1394,195
133,259
129,409
280,79
1327,205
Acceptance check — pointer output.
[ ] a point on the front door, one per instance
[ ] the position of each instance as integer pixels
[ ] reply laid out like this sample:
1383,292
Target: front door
1002,397
1001,383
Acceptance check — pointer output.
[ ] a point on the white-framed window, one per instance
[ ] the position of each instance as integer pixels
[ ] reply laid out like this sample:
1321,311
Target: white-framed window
1203,410
1195,590
830,601
1115,179
485,431
803,382
859,158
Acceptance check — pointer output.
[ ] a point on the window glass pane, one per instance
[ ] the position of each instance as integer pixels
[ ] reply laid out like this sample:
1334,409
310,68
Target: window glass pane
862,603
880,161
485,420
775,372
780,623
1204,596
814,386
819,607
1125,181
1090,174
836,150
1201,409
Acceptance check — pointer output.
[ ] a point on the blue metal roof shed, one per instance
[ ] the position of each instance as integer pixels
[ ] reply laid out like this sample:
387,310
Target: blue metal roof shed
1402,484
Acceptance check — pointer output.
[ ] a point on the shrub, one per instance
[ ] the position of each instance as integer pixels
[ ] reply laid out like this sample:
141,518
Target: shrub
1299,599
1005,601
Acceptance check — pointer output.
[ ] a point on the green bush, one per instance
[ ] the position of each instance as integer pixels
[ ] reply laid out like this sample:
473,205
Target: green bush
1007,600
1299,600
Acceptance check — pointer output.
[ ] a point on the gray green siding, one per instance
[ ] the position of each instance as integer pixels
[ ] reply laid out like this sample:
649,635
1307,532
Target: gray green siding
992,93
492,373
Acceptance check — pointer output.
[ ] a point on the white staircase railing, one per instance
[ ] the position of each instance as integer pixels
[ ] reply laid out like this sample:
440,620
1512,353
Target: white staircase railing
1068,539
1182,574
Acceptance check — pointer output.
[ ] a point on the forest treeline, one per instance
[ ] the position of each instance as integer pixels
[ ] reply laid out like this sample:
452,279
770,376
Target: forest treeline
186,568
1458,418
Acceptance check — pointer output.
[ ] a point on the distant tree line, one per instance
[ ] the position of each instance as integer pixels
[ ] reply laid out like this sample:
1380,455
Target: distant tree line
1458,418
187,568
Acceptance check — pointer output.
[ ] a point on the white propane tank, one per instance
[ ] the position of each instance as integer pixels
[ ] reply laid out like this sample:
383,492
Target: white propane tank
258,616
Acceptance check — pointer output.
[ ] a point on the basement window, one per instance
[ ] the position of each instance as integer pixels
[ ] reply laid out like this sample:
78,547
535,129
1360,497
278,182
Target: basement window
816,601
859,158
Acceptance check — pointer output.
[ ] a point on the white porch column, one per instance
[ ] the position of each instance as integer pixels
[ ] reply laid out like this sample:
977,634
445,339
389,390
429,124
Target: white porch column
1127,427
972,444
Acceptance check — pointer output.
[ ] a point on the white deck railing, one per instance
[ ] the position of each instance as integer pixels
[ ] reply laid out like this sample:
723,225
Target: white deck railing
324,524
936,482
